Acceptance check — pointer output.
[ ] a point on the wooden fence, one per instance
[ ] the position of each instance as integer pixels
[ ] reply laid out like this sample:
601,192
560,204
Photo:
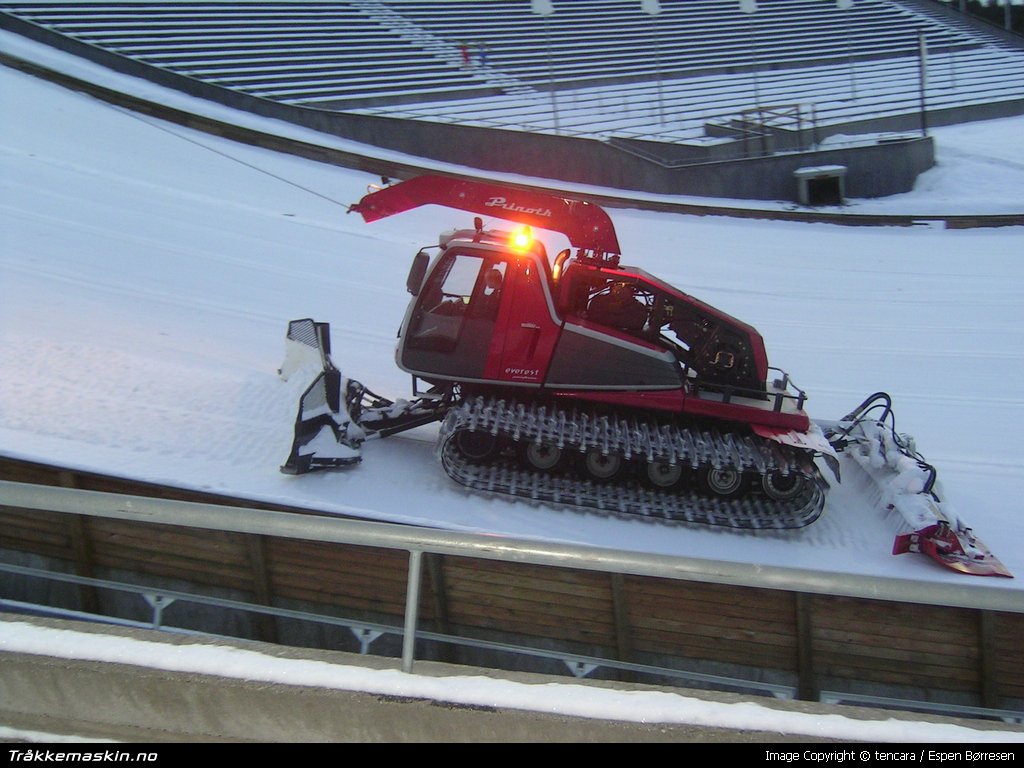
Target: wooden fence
813,642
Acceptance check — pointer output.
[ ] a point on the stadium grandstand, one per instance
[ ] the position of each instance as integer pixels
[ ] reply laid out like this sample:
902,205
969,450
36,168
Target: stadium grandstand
671,82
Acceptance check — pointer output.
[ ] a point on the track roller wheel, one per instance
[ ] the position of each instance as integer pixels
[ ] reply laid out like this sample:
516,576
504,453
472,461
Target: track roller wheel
602,467
783,487
478,447
727,482
541,456
663,475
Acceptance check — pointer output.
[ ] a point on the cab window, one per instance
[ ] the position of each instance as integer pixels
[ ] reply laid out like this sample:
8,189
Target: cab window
463,287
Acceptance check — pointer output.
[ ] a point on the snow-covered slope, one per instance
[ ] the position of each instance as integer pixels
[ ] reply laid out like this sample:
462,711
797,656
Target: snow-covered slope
147,274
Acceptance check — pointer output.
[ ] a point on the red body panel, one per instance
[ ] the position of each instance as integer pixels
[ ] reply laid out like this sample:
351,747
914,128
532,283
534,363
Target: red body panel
526,333
670,400
782,420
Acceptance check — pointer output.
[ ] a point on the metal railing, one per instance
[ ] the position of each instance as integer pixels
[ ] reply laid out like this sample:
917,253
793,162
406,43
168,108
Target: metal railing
365,632
884,702
417,541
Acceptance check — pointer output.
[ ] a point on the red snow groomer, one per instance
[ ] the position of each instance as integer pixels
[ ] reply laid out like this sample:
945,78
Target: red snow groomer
575,379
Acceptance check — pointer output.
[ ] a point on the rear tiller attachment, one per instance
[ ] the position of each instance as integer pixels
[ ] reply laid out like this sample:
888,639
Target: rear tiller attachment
908,484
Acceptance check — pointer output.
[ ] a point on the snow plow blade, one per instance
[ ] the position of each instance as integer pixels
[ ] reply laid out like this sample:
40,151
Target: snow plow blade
324,435
337,415
904,482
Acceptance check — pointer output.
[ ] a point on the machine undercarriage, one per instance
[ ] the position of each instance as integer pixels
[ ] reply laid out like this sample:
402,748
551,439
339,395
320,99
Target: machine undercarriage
629,465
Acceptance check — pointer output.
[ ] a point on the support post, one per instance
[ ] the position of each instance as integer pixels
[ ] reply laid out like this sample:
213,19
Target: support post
81,545
412,610
987,683
807,687
439,589
847,5
256,548
922,46
546,8
653,8
620,615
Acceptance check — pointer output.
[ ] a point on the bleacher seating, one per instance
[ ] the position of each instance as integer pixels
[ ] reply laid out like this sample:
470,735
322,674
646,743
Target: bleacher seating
614,69
678,109
591,40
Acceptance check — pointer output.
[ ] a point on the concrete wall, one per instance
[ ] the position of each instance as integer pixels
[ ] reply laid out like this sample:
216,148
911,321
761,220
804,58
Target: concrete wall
138,705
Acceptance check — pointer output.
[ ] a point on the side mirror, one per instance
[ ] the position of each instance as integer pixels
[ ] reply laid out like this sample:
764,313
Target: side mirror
417,272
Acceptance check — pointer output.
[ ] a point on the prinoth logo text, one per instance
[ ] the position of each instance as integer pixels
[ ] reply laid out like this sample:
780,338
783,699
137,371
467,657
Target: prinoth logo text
504,204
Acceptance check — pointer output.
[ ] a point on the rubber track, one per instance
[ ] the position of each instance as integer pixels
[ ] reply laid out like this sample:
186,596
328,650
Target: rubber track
581,431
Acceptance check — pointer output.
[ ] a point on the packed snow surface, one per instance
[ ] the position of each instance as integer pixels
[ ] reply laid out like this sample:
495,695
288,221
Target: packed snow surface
147,274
